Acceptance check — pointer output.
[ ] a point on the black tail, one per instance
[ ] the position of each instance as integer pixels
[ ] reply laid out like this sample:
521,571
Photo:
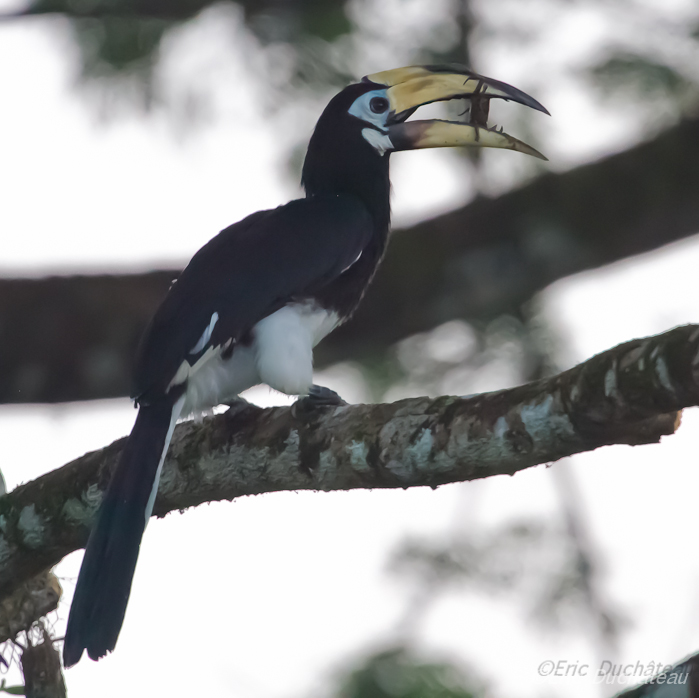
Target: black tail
104,583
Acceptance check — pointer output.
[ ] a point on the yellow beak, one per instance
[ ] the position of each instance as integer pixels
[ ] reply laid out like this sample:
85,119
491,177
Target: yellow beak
415,86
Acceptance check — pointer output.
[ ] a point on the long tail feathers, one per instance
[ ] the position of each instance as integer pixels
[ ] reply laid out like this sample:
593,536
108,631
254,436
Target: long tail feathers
104,583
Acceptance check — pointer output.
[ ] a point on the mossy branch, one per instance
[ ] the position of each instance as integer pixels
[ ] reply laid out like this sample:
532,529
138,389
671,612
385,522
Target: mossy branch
628,395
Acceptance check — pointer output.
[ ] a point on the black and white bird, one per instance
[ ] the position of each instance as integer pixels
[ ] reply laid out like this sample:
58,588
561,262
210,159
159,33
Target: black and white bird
256,299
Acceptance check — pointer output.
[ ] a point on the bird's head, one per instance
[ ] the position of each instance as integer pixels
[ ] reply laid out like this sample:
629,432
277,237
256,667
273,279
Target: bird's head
368,120
391,97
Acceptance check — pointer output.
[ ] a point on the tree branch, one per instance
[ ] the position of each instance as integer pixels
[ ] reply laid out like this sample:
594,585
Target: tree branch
627,395
473,263
683,677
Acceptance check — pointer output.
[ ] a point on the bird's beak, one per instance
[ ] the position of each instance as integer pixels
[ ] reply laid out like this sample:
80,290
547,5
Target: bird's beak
413,87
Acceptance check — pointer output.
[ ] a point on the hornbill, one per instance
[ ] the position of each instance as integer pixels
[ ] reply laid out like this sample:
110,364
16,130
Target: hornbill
256,299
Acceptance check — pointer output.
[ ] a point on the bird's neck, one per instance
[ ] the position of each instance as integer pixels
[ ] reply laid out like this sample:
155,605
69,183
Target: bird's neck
358,171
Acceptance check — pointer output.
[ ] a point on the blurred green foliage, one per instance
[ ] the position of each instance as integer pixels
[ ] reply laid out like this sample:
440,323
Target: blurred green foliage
119,44
124,37
323,41
627,75
399,673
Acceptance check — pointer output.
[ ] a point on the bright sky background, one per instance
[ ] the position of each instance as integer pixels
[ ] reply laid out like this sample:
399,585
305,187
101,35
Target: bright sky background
268,596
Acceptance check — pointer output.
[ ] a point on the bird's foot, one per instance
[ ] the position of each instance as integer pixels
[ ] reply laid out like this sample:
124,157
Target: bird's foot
318,396
236,401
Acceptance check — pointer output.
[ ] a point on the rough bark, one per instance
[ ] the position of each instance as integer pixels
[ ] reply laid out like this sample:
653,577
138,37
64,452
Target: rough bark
628,395
65,339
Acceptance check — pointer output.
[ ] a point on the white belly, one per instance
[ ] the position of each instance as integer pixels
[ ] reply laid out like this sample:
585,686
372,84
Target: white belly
280,355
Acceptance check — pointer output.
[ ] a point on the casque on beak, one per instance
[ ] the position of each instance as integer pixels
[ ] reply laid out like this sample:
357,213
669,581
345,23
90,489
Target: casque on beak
415,86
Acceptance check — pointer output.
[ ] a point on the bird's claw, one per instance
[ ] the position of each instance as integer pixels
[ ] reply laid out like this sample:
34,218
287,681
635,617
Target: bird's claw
318,396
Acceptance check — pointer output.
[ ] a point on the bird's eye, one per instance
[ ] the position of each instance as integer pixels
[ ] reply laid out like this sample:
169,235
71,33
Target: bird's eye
378,105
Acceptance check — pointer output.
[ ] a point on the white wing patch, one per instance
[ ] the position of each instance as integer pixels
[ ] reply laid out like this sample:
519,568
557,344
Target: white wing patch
185,370
206,336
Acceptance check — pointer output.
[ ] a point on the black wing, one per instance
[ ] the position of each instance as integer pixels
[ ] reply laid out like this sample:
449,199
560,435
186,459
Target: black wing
244,274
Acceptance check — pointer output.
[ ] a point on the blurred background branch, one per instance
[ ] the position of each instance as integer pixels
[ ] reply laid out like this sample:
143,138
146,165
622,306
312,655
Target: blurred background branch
486,259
